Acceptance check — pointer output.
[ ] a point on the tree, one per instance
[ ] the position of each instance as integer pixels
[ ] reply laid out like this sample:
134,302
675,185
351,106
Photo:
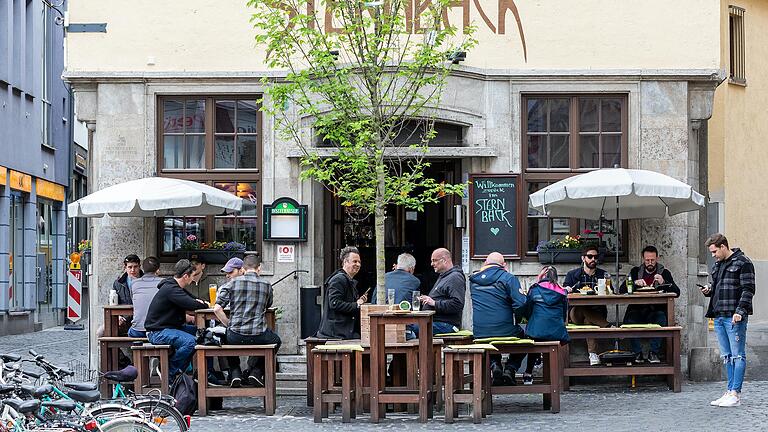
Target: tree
362,77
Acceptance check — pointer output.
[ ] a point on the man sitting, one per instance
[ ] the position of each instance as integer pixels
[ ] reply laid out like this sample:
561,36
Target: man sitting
495,298
143,290
248,297
587,276
447,296
167,317
650,274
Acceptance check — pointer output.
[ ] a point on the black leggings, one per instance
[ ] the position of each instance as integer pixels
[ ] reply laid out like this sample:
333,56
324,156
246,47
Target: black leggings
266,338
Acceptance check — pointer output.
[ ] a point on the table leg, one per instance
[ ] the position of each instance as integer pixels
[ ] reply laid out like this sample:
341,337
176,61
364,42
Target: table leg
310,375
438,394
555,372
449,387
377,367
346,389
359,382
270,385
565,362
670,311
676,384
317,388
202,382
426,363
547,377
477,393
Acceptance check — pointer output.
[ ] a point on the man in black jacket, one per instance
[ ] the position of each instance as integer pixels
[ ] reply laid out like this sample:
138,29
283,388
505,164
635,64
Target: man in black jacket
650,274
167,316
447,295
341,306
122,285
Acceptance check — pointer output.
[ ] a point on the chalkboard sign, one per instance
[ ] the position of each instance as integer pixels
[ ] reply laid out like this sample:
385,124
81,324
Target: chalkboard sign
493,224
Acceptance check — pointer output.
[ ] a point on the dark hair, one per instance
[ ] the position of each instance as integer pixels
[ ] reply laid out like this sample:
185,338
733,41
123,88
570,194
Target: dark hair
717,239
150,265
183,267
549,273
132,258
587,248
251,262
651,249
196,259
346,251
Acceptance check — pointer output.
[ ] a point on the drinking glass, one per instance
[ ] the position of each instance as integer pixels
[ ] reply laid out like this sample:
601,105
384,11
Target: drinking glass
390,297
212,293
415,302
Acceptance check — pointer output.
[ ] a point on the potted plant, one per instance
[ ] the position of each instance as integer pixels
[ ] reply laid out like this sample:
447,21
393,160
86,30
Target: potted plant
564,250
84,247
217,252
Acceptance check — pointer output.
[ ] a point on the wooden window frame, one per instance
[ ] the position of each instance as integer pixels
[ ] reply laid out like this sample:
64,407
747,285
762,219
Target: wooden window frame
532,175
737,46
209,175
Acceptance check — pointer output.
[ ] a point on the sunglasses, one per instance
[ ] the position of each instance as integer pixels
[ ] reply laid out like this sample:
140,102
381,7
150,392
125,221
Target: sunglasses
590,256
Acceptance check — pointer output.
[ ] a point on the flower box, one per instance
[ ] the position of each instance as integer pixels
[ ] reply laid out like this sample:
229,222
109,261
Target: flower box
559,255
210,256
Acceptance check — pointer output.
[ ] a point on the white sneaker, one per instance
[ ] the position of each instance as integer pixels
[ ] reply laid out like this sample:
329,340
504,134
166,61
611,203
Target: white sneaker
594,359
731,400
717,401
154,366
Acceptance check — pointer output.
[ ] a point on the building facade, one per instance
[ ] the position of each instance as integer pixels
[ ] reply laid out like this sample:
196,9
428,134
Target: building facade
563,89
35,118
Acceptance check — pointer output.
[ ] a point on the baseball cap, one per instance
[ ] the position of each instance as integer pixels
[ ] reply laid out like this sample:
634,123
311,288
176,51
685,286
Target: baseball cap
232,264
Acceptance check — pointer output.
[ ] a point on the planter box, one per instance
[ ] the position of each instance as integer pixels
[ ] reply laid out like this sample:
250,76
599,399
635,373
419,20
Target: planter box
210,256
394,333
559,256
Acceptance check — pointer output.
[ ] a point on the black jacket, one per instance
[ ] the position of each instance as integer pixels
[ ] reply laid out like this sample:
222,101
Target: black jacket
448,294
121,286
733,286
341,313
169,306
576,279
645,310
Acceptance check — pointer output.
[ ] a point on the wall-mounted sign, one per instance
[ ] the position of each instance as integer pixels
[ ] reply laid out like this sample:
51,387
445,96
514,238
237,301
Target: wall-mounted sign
285,219
3,176
286,253
50,190
493,224
20,181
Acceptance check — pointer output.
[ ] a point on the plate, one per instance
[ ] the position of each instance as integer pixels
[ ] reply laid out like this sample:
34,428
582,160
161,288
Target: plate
645,289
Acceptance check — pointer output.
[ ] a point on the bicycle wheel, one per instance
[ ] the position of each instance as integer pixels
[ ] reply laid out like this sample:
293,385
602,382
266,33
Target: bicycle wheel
128,425
111,411
163,415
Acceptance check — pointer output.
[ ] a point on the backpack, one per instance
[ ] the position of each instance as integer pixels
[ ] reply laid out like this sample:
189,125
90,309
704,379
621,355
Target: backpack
184,390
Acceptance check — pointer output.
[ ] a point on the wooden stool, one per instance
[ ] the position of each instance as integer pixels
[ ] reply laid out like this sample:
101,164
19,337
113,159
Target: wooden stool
108,356
311,342
141,356
324,358
454,385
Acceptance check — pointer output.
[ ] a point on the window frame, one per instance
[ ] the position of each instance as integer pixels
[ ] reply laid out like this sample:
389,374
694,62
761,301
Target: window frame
208,174
534,175
736,46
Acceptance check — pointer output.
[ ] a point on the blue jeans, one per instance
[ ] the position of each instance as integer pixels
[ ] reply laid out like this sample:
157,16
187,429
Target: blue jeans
136,333
650,317
733,340
437,328
183,343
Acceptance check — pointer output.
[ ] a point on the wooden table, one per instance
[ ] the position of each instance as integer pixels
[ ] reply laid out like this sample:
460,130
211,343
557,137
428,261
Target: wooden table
112,314
202,316
379,394
627,299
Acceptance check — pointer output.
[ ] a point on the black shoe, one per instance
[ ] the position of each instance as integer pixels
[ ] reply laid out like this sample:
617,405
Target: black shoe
255,378
639,358
497,374
214,381
508,377
235,378
653,358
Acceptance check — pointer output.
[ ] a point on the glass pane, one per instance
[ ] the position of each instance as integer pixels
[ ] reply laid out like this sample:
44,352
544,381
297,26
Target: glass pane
538,229
224,152
226,229
558,151
611,119
246,116
588,151
195,151
173,116
588,115
559,115
172,151
247,191
176,230
248,232
248,151
537,115
194,117
611,150
537,151
225,116
534,187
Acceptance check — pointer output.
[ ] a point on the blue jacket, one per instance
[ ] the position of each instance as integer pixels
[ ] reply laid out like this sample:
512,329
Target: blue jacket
547,312
402,282
495,298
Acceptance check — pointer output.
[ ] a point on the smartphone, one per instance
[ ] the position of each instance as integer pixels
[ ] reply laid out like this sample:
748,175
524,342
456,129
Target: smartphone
701,286
368,291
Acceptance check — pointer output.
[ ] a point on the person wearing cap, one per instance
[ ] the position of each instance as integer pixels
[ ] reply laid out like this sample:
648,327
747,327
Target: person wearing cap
232,269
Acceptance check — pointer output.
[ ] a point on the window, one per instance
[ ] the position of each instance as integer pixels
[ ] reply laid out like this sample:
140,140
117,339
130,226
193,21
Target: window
47,69
215,140
736,42
565,135
412,132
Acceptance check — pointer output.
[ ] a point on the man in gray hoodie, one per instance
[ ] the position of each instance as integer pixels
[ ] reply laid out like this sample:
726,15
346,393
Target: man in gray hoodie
447,296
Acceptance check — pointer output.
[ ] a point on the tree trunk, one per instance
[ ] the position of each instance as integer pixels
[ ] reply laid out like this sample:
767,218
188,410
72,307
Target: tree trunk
379,221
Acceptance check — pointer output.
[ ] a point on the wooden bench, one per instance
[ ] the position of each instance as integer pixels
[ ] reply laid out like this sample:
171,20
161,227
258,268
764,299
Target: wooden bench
324,392
311,342
550,387
267,392
109,346
141,356
477,395
671,367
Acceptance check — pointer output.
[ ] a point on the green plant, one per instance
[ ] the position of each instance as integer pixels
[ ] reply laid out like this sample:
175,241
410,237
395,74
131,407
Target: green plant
568,242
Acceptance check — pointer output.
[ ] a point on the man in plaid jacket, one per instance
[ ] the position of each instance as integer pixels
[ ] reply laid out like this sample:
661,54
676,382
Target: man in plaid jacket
730,304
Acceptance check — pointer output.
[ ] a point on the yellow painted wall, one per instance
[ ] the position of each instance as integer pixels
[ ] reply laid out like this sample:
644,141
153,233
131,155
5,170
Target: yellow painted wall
215,35
738,130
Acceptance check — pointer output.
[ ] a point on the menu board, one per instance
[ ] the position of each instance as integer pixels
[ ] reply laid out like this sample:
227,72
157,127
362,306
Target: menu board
493,224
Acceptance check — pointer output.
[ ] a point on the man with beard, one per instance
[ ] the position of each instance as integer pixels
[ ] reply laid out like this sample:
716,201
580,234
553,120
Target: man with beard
587,276
650,274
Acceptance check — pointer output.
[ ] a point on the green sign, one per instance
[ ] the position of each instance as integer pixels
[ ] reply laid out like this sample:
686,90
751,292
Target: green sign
285,220
285,208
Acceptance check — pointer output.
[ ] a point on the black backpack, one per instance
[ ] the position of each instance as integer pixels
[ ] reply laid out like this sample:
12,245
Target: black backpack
184,390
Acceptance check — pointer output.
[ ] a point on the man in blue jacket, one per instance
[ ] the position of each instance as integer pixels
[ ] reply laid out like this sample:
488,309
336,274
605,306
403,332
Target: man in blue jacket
496,297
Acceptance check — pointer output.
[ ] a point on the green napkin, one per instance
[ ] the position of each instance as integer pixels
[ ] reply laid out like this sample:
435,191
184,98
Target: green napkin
496,338
514,342
474,346
458,333
581,326
640,326
339,347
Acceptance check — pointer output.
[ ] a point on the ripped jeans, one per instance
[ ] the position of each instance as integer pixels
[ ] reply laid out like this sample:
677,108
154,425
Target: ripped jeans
733,339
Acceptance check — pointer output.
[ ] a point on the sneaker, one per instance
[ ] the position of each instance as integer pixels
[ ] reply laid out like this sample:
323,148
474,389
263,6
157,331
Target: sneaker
717,401
154,366
527,379
594,359
731,400
213,381
236,378
496,375
255,381
653,358
508,378
639,359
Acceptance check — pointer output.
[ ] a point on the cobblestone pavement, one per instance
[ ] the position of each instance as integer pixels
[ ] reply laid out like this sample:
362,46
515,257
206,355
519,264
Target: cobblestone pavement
610,407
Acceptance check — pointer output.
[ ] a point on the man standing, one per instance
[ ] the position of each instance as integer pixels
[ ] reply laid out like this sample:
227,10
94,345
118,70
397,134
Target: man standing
587,276
730,304
341,306
166,318
496,297
143,290
401,279
650,274
447,296
248,296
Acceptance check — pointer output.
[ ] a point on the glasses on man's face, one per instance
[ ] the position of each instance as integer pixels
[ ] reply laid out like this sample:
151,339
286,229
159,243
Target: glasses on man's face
590,256
436,260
